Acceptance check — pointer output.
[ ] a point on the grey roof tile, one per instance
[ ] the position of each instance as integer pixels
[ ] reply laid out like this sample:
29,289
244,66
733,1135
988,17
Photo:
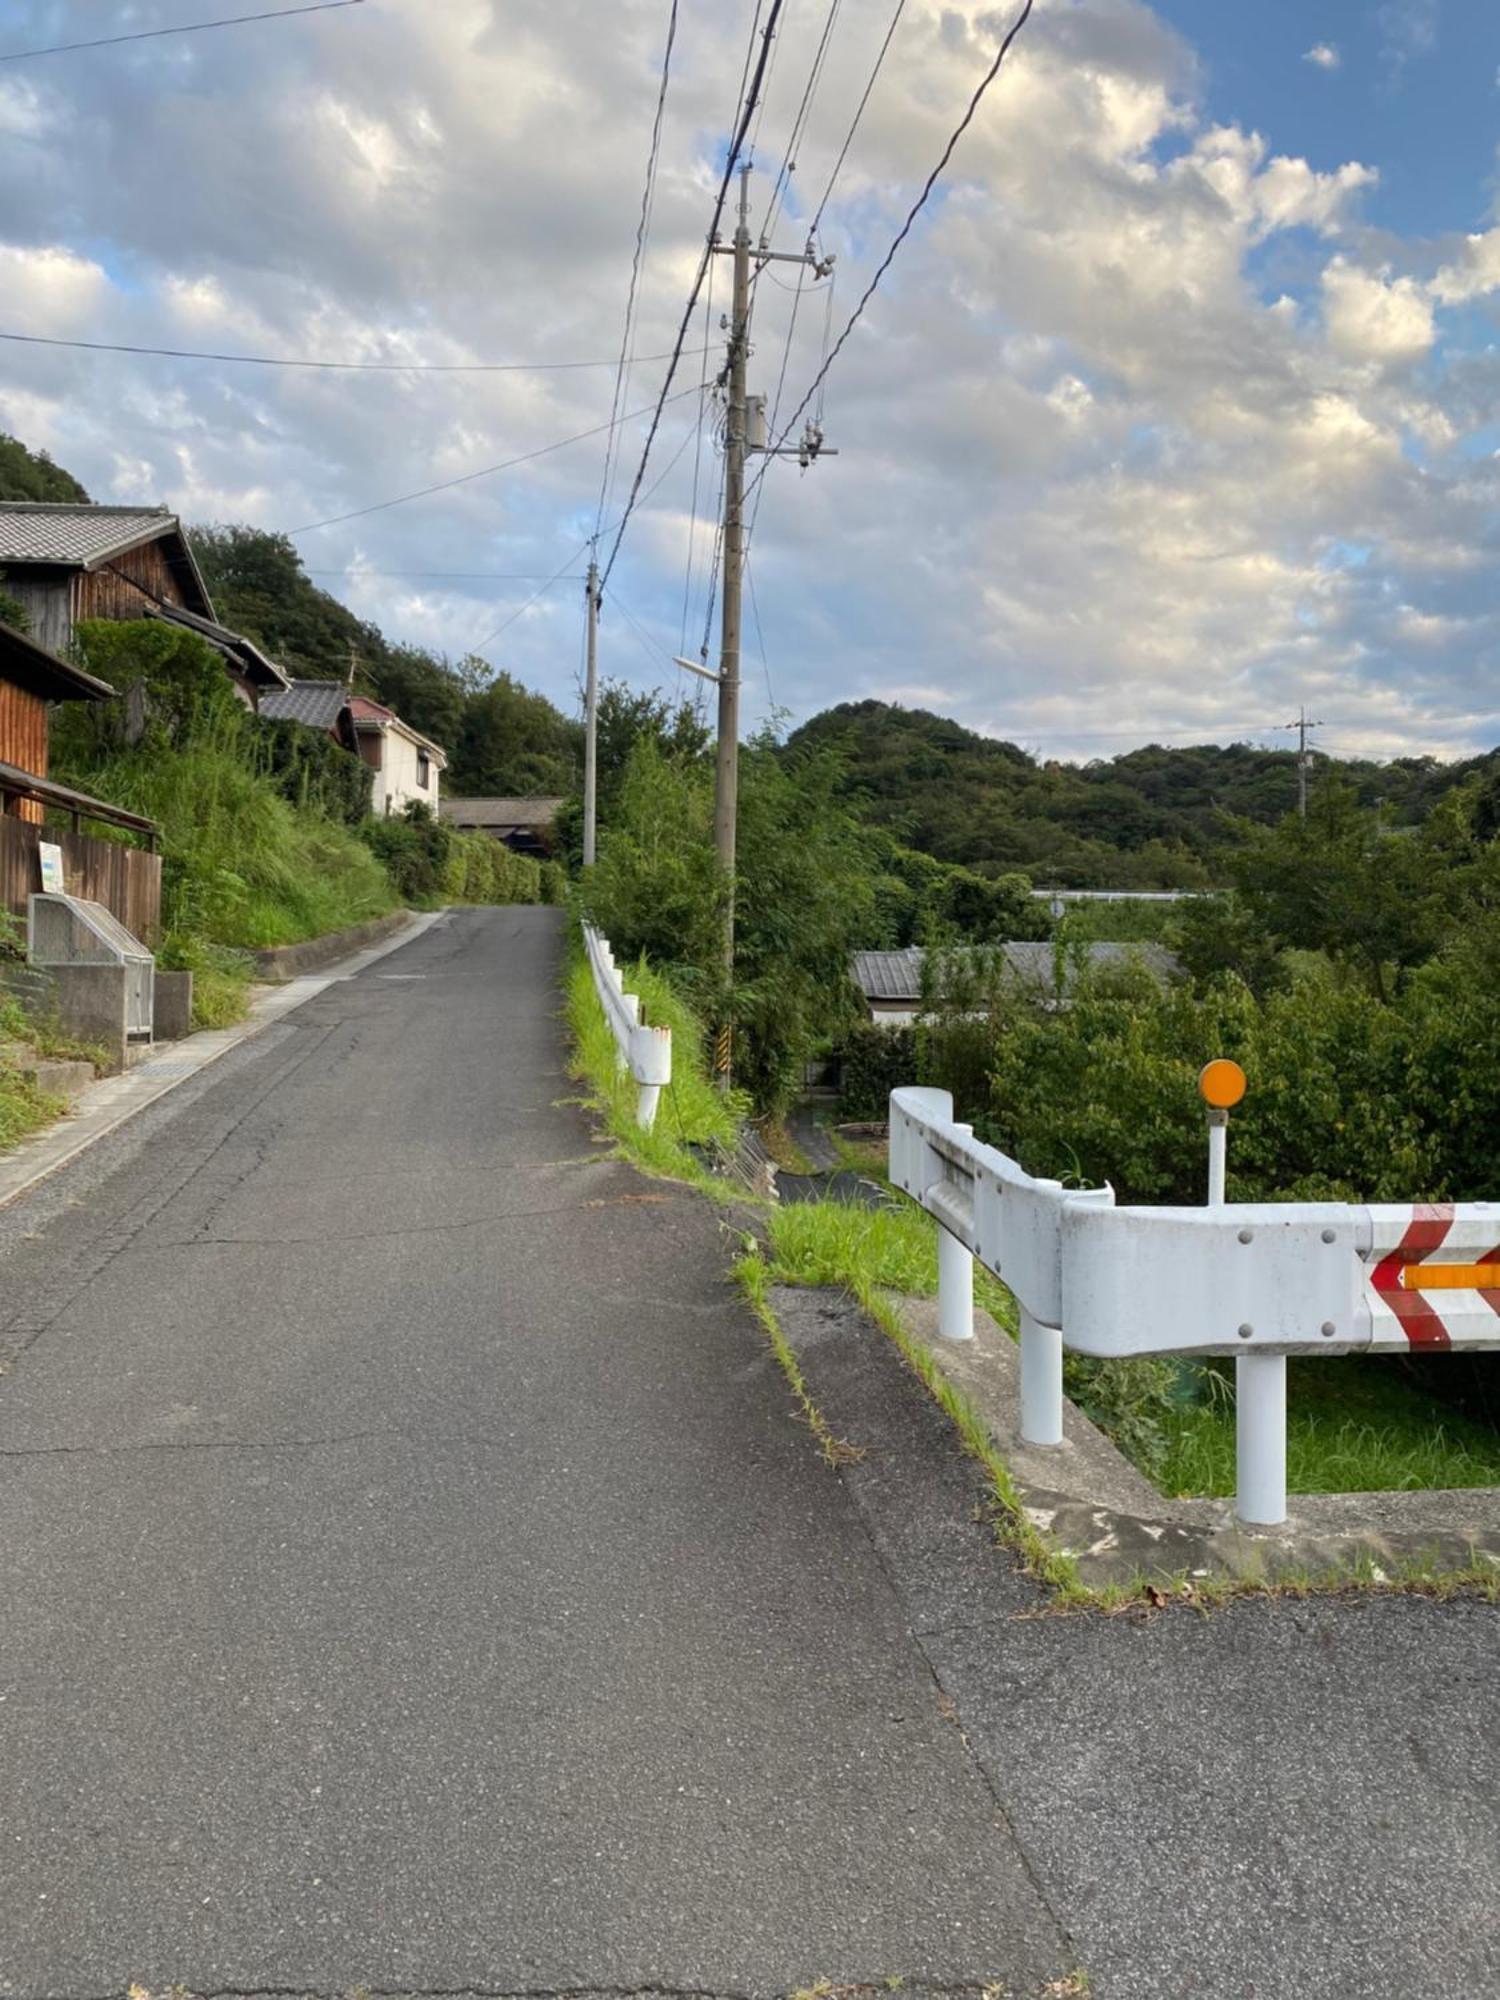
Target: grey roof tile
317,703
66,532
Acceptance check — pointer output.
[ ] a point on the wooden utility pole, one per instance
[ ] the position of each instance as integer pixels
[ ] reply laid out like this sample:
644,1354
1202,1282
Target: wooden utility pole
737,446
727,776
591,725
1303,723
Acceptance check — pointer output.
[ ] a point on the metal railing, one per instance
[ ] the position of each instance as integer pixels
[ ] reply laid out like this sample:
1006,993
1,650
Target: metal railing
645,1052
1258,1280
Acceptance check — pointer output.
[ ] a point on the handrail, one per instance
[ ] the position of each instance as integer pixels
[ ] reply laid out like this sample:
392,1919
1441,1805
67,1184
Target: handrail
18,784
1259,1280
646,1052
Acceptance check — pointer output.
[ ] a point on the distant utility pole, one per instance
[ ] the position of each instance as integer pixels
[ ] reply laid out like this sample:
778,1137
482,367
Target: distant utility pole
591,724
738,445
1303,723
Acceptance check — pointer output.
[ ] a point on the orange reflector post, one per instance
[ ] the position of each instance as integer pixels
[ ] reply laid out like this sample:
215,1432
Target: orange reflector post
1450,1277
1221,1084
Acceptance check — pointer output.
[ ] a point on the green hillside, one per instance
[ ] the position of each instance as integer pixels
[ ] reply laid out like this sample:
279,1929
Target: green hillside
1154,818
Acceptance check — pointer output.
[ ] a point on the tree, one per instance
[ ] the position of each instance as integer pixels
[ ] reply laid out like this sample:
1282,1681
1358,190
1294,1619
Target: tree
31,475
514,744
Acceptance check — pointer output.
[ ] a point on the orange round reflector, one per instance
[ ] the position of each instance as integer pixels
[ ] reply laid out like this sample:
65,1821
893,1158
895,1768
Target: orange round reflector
1222,1083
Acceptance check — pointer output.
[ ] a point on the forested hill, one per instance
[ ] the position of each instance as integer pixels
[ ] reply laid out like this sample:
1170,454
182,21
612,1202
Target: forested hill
1152,818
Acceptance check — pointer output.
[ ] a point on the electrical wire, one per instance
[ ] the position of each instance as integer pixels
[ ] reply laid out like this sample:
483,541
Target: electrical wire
183,28
799,123
447,575
558,575
708,249
692,548
357,367
484,472
648,197
859,112
905,230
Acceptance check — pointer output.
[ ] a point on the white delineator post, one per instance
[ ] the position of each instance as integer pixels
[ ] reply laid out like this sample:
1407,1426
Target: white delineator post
1041,1381
955,1288
1259,1379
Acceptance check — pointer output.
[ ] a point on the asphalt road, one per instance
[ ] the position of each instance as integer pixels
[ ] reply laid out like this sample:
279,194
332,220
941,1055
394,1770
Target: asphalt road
415,1577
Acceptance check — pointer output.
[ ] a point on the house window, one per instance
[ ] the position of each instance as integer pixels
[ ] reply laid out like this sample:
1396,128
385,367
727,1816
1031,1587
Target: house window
424,769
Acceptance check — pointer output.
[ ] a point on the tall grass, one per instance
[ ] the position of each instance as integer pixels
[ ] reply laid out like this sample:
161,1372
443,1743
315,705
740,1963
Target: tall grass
242,866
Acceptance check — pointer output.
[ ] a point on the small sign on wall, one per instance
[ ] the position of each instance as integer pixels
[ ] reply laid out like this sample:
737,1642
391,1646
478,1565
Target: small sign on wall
52,867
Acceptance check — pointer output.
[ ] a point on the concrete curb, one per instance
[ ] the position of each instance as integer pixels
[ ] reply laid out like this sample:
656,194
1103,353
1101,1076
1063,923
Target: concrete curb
289,961
110,1103
1087,1498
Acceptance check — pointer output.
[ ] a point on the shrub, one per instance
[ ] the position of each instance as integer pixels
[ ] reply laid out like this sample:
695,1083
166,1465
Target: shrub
875,1061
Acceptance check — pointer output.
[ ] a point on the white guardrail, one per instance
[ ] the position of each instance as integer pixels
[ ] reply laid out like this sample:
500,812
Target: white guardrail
1256,1280
645,1052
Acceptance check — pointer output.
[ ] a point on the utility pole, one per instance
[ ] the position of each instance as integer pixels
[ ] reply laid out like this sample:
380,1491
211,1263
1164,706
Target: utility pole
591,724
737,446
1303,723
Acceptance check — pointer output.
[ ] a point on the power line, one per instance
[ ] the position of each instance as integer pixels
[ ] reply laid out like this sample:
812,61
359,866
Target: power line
708,248
183,28
799,123
484,472
859,112
648,195
447,575
283,361
905,230
558,575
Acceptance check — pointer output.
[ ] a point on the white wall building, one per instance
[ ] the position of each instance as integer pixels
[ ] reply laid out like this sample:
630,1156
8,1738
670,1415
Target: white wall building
407,766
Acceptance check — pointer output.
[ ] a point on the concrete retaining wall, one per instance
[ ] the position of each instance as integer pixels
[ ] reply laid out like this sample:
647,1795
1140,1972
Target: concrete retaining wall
290,961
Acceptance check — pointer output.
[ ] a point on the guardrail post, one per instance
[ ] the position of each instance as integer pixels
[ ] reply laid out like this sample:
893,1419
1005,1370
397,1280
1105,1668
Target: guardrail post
1260,1439
1041,1381
955,1288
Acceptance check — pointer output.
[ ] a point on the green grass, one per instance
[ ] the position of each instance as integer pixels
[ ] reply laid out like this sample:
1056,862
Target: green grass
691,1111
1354,1425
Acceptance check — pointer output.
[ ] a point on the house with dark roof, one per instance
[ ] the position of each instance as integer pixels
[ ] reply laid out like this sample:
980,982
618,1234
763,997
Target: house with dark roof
523,824
320,705
891,981
65,561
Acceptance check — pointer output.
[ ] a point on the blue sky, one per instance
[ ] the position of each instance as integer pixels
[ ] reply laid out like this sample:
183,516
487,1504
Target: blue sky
1414,93
1179,408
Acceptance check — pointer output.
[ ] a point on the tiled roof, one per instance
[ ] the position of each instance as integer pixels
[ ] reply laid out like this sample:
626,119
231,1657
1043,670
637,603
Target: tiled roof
500,812
64,532
26,664
897,975
317,703
245,654
364,710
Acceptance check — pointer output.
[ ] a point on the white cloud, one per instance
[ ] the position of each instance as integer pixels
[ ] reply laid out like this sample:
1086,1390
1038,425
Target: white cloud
1324,55
1092,474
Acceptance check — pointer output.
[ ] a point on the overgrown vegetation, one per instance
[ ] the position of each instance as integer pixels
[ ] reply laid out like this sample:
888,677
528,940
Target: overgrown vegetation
261,839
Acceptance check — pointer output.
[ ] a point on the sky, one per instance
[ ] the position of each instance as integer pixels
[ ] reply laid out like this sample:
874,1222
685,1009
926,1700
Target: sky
1177,411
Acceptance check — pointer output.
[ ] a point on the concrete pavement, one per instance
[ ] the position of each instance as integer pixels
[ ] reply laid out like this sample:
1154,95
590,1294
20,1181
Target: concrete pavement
416,1578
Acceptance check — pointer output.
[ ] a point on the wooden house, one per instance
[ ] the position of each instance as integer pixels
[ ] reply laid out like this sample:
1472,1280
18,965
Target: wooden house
126,879
64,562
526,825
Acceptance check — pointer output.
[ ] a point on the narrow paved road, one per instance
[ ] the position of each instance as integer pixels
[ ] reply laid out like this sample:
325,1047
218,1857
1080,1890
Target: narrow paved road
414,1576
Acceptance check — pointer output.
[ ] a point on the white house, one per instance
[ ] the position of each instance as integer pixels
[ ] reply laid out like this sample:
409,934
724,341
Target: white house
407,767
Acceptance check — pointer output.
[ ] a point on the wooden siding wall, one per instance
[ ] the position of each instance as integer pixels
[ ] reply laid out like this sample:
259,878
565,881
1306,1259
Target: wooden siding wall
126,880
114,592
47,601
23,737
